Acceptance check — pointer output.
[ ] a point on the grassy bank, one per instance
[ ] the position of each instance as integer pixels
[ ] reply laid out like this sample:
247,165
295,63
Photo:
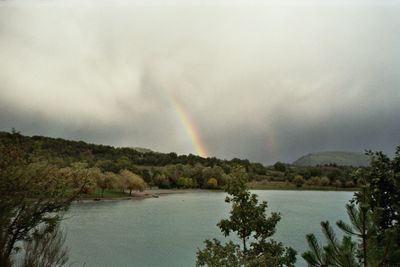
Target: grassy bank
289,186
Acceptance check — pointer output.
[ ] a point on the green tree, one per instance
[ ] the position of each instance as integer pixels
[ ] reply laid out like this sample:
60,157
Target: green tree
32,195
161,181
104,180
172,173
120,183
382,178
251,225
212,172
334,253
279,166
217,254
185,182
196,173
361,224
374,217
347,252
80,176
107,166
123,163
133,181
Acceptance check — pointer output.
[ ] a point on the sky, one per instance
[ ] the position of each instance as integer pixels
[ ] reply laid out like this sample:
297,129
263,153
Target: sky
263,80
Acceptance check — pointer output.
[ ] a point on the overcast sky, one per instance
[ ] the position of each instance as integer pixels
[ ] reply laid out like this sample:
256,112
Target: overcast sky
263,80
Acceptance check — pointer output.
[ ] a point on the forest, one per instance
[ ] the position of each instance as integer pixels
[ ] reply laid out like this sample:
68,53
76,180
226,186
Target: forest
115,170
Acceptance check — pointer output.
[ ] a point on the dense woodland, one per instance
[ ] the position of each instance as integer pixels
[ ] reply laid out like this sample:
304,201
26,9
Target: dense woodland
120,169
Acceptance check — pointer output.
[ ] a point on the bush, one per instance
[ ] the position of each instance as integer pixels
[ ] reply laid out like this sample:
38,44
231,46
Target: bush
324,181
298,181
349,184
338,183
185,182
313,181
162,182
212,183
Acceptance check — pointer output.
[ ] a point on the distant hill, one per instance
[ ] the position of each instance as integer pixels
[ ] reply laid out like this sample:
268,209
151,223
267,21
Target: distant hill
337,157
64,152
142,149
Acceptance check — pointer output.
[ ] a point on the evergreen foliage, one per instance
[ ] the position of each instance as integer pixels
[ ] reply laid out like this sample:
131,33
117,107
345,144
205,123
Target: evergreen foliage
374,221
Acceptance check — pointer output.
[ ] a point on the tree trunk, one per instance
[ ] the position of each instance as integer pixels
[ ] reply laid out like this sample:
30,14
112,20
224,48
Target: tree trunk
130,192
364,233
5,261
364,238
365,250
244,250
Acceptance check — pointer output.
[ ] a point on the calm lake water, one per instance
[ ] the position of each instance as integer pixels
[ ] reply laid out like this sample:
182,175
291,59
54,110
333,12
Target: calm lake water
167,231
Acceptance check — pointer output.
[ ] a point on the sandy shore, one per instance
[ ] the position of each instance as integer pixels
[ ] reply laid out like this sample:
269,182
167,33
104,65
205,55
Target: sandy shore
159,192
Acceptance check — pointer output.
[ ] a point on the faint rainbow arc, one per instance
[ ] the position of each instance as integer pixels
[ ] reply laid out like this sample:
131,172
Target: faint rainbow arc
190,128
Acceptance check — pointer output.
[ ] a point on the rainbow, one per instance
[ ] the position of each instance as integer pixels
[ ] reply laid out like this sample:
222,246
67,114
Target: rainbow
190,128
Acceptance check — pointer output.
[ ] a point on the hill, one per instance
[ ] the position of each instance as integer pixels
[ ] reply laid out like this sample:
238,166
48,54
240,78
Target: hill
142,149
163,170
333,157
64,152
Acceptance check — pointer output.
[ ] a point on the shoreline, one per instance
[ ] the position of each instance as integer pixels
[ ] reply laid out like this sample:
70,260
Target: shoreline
150,193
156,193
322,189
254,185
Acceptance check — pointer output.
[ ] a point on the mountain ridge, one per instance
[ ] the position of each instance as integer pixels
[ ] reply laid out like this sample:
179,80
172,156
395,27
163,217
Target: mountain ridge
342,158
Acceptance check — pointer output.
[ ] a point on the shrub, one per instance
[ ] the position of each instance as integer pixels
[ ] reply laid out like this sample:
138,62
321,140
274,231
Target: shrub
324,181
212,183
298,181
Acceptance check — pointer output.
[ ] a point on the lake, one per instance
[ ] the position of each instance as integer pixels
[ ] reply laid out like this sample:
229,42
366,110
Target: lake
167,231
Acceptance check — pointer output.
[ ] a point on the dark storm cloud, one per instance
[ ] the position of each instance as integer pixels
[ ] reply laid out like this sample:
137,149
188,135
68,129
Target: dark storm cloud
264,80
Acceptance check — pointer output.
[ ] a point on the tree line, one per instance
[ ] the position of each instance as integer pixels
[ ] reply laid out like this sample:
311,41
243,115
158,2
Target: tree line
169,170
